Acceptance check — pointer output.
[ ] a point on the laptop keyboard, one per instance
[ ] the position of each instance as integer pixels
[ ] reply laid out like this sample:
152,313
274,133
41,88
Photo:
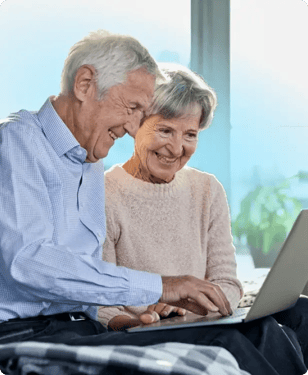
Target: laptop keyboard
239,312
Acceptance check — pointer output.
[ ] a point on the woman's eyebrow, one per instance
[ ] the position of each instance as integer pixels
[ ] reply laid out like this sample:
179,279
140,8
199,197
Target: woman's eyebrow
192,130
165,125
174,127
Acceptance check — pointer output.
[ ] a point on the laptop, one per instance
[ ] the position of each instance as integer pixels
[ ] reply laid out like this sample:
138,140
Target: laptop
280,290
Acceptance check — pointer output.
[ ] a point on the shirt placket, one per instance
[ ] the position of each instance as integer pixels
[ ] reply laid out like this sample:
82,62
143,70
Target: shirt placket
91,201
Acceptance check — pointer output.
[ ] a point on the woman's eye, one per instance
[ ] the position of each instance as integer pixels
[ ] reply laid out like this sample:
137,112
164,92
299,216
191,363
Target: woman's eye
192,135
165,131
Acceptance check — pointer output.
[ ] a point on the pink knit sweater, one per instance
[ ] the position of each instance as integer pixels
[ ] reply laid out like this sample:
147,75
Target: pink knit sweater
179,228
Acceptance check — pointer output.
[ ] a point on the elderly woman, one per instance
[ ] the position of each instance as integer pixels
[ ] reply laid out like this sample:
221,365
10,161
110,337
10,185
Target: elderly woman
165,217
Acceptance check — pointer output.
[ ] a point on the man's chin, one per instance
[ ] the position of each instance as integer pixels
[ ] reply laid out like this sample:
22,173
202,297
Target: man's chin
92,159
96,156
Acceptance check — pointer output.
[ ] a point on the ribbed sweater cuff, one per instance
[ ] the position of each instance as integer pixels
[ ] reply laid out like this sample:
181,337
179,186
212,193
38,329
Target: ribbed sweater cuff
145,288
105,314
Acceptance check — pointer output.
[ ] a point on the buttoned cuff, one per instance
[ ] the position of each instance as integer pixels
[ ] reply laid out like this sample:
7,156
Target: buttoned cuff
144,288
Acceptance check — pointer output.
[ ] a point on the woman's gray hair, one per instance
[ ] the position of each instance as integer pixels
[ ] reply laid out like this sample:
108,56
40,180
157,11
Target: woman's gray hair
178,96
112,56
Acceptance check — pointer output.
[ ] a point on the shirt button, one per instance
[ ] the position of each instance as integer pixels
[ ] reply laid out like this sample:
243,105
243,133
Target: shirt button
79,152
144,299
99,234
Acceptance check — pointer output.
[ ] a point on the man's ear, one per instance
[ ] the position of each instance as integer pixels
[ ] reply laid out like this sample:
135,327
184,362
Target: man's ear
84,83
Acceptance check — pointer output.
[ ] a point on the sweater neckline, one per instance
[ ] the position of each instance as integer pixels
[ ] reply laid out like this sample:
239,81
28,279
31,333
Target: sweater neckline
148,189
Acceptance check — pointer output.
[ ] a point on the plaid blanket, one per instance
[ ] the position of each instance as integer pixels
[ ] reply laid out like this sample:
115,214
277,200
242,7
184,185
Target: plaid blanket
170,358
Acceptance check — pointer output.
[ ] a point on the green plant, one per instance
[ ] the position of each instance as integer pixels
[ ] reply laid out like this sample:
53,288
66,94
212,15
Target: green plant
267,215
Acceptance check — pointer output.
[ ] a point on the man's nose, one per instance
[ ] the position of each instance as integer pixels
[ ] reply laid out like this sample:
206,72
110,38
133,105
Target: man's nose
133,123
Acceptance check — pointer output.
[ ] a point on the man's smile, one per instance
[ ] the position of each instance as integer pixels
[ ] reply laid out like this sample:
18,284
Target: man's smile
112,135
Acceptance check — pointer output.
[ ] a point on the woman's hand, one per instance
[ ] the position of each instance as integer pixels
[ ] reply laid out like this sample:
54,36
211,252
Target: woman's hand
151,315
163,310
122,322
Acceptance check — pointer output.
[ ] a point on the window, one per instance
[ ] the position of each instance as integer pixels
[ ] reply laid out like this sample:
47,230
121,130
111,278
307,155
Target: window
269,128
269,95
258,68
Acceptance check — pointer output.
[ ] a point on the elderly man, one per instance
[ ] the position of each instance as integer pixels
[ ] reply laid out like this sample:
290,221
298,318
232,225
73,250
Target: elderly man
52,219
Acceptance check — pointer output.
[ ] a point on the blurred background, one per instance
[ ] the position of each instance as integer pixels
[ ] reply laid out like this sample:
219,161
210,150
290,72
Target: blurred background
252,52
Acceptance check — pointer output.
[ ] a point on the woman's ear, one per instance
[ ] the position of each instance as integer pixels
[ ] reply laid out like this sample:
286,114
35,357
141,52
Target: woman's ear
209,120
85,83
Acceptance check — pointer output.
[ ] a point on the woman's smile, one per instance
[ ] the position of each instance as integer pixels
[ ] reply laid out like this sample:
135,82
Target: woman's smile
165,159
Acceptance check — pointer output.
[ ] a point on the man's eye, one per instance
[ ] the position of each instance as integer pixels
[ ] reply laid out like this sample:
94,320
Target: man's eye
131,110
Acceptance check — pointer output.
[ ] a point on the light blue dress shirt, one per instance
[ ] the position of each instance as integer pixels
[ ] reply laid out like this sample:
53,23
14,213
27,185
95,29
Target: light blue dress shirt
52,225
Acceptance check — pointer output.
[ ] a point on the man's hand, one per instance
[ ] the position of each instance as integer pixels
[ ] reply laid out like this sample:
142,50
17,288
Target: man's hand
193,294
182,293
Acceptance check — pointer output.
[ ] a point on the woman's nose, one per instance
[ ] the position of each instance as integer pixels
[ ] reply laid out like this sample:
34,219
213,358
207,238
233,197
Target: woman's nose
176,146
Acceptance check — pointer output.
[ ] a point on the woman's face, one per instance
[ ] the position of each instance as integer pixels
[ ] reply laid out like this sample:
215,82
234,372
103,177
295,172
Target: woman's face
164,146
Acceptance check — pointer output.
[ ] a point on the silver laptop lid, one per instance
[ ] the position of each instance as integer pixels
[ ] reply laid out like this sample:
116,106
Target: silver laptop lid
280,290
289,274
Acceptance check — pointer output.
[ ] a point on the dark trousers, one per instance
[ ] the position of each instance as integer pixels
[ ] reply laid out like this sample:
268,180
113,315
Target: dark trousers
260,347
295,320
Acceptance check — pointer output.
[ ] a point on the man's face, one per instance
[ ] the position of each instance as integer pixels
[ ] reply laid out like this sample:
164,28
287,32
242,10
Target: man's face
100,123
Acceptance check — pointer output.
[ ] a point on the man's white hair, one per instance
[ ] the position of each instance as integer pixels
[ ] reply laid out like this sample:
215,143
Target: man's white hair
112,56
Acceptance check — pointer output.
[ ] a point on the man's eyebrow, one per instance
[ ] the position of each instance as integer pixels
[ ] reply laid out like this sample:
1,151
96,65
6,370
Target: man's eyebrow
137,104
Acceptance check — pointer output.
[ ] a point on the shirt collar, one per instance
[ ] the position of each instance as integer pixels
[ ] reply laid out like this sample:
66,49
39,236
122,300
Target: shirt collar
57,133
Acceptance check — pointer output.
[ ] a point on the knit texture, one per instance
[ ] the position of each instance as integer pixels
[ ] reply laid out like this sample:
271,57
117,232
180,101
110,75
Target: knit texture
179,228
